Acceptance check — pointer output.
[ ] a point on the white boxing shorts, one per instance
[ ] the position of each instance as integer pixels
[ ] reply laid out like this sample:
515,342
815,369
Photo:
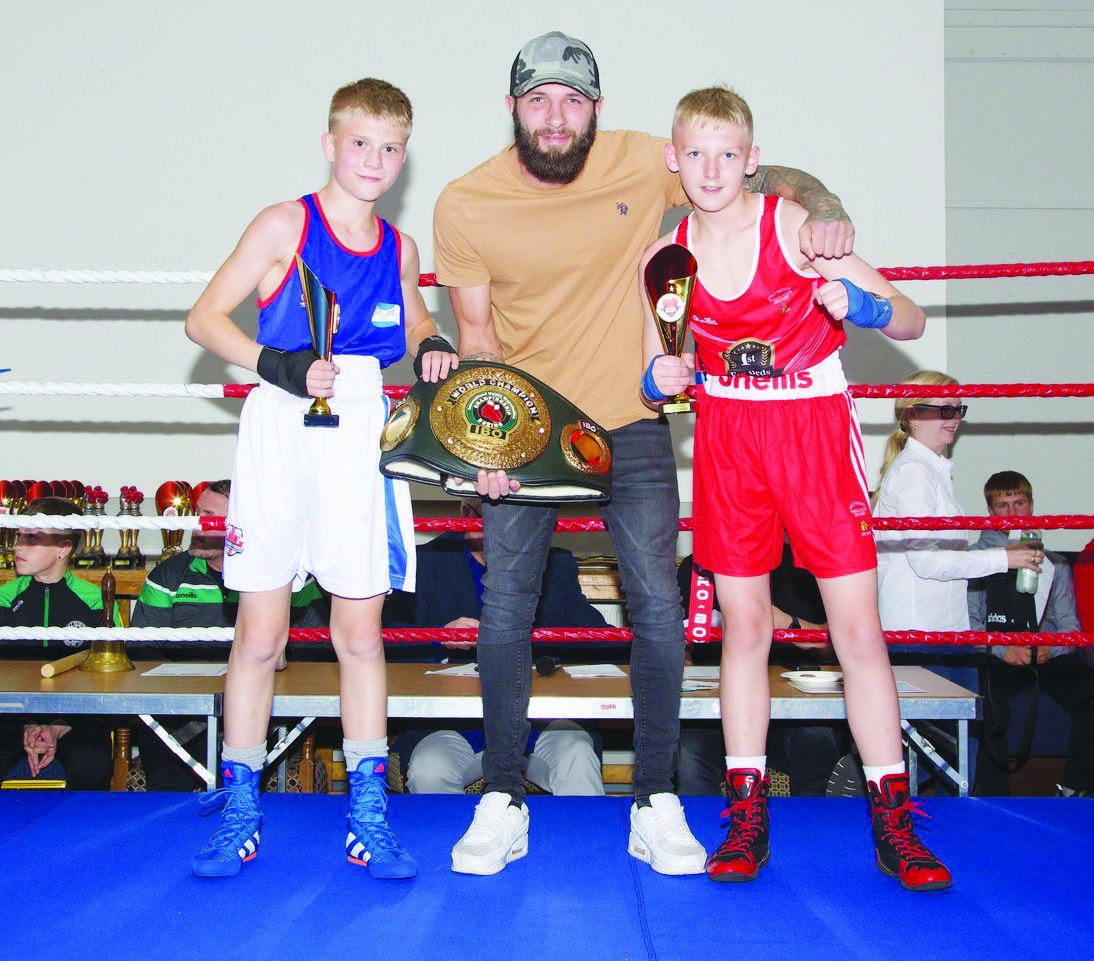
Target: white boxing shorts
312,499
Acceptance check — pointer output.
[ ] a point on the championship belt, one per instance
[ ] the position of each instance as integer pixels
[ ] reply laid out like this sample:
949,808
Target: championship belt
489,416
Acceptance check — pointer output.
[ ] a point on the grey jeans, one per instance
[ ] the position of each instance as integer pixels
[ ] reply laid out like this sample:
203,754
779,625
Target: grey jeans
642,519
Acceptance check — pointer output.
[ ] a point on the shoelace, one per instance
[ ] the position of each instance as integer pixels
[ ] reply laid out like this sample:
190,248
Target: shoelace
240,809
744,816
900,831
368,805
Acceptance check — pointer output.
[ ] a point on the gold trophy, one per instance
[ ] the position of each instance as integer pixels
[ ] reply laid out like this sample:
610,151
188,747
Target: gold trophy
669,281
129,556
91,554
322,308
107,657
11,502
173,500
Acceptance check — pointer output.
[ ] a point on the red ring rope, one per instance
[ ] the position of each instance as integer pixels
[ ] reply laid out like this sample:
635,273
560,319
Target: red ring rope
1036,522
409,635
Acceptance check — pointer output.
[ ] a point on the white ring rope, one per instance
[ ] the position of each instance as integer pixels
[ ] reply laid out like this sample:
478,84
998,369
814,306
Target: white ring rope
38,275
116,633
94,522
111,390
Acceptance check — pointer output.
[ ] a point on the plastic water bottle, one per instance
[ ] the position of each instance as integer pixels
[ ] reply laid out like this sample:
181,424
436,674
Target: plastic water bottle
1027,579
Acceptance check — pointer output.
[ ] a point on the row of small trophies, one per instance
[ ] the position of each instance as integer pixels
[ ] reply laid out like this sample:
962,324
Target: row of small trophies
173,499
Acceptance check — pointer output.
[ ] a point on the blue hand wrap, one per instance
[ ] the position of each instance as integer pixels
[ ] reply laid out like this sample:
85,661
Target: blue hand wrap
649,389
865,309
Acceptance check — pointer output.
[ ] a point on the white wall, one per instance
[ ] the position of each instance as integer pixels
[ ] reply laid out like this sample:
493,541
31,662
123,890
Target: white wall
1019,103
144,136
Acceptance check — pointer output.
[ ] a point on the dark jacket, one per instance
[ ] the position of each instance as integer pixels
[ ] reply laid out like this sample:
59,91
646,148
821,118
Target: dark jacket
446,590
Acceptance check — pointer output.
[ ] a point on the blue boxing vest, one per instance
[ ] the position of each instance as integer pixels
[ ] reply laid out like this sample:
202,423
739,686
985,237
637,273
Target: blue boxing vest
366,284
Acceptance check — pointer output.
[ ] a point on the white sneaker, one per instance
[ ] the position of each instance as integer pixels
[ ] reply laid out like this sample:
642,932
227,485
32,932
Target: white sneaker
660,837
498,835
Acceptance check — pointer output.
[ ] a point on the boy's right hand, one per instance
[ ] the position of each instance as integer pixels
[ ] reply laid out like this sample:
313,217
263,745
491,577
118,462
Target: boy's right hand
673,375
299,372
320,379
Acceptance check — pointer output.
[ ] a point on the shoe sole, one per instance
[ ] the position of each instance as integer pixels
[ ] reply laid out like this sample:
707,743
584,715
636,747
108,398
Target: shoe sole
220,871
732,877
406,872
637,848
467,865
929,886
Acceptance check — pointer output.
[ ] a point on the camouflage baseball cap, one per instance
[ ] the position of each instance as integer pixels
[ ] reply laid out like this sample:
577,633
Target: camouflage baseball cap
555,58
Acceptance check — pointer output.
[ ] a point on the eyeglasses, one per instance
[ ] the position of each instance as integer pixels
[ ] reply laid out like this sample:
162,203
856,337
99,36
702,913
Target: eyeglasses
940,411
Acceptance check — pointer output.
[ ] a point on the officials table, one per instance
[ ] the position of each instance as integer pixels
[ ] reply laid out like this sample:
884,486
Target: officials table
308,691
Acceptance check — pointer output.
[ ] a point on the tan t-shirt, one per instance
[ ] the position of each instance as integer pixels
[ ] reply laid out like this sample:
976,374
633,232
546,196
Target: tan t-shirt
562,265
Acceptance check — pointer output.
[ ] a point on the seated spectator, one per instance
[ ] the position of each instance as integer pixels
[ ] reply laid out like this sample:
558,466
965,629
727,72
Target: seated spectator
1061,672
807,752
1084,593
45,593
923,575
187,590
563,757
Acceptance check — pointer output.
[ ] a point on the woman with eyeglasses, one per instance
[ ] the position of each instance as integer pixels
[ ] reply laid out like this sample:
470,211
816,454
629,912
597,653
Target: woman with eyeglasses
923,575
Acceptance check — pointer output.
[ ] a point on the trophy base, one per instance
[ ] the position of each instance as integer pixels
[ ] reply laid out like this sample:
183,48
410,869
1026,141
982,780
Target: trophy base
128,562
677,407
320,420
91,561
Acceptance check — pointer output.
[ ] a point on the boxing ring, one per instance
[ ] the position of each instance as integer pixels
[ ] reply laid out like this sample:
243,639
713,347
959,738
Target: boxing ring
110,872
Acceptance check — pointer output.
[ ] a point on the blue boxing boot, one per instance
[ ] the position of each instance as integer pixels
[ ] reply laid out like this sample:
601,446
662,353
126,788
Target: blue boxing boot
369,840
236,840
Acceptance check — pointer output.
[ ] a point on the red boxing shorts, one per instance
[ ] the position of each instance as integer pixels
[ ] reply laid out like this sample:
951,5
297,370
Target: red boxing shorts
786,462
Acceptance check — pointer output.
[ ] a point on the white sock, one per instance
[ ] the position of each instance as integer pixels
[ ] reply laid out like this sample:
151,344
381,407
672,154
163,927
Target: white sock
253,757
759,763
357,751
875,774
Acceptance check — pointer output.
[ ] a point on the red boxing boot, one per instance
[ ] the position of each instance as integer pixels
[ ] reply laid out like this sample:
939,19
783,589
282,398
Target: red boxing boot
745,849
900,854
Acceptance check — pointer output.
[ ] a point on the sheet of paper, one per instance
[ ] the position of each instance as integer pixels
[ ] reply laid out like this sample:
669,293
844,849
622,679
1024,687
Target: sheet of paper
906,687
458,670
187,670
594,670
698,684
701,673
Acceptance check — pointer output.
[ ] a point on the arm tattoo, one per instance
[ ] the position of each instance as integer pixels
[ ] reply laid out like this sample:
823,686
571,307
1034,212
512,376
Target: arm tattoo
484,355
800,187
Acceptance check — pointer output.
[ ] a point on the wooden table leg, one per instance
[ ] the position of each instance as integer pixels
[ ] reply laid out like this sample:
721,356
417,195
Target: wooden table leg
123,749
307,765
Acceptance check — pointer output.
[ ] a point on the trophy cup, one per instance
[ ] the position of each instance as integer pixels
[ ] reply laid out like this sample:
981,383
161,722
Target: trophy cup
11,502
322,308
91,553
129,556
107,657
173,500
669,281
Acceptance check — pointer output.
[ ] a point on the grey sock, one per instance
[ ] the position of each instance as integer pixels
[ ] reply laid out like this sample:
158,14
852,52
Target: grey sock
253,757
357,751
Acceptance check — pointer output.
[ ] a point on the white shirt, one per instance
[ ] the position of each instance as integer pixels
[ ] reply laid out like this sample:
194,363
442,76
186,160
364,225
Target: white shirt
923,575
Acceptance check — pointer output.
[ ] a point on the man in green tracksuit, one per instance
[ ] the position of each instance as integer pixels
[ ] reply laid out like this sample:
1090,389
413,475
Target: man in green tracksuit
45,593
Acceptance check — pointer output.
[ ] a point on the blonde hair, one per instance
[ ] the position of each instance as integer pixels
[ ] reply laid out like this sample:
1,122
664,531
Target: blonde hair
713,105
377,98
901,411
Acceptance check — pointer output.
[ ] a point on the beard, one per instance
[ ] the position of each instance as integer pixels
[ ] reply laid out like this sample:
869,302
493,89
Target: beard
553,166
207,546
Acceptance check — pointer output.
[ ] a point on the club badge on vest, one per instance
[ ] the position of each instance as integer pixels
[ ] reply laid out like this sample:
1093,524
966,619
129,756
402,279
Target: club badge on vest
752,357
386,315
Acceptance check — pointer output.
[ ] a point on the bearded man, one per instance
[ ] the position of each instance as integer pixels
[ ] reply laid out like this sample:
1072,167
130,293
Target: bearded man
539,248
